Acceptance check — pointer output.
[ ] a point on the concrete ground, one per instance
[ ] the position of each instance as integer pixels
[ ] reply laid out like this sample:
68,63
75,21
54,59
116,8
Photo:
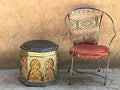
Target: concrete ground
9,81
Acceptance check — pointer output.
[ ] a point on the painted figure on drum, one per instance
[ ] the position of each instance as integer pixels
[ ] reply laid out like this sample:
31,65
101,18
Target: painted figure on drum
24,67
35,73
49,70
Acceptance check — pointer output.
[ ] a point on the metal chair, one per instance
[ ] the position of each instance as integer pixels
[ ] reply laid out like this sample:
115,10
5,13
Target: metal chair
83,27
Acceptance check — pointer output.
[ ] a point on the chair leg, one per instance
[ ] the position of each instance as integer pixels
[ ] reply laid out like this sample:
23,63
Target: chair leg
98,65
108,61
71,71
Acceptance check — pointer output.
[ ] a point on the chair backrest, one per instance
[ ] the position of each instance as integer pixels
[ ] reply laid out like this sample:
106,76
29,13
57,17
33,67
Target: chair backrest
83,25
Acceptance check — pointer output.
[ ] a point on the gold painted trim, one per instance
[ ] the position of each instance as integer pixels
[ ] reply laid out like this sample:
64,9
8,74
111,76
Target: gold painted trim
42,54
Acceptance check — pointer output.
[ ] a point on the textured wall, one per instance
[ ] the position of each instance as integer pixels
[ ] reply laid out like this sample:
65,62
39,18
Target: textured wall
23,20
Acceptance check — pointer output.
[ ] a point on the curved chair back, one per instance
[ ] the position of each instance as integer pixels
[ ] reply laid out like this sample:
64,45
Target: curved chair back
83,25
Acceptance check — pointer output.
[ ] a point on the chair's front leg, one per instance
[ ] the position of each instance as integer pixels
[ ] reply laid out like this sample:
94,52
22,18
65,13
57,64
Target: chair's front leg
71,71
108,62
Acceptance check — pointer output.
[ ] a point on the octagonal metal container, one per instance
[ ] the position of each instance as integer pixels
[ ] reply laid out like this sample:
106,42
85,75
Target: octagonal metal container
38,63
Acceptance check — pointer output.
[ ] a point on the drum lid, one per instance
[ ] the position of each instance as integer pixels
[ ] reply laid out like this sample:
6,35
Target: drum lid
39,46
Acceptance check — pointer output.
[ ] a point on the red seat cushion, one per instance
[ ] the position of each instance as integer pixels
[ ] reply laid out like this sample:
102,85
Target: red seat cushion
89,51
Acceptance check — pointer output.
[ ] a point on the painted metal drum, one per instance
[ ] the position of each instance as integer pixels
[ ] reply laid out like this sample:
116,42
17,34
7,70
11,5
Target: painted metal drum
38,63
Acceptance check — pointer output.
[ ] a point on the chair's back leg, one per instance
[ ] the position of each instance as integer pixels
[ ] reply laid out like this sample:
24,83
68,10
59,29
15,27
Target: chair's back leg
98,65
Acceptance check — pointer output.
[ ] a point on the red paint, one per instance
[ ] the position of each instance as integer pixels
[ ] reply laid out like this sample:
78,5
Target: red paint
89,51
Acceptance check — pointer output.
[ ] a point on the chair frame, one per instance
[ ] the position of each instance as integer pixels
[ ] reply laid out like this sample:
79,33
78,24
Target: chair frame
71,69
